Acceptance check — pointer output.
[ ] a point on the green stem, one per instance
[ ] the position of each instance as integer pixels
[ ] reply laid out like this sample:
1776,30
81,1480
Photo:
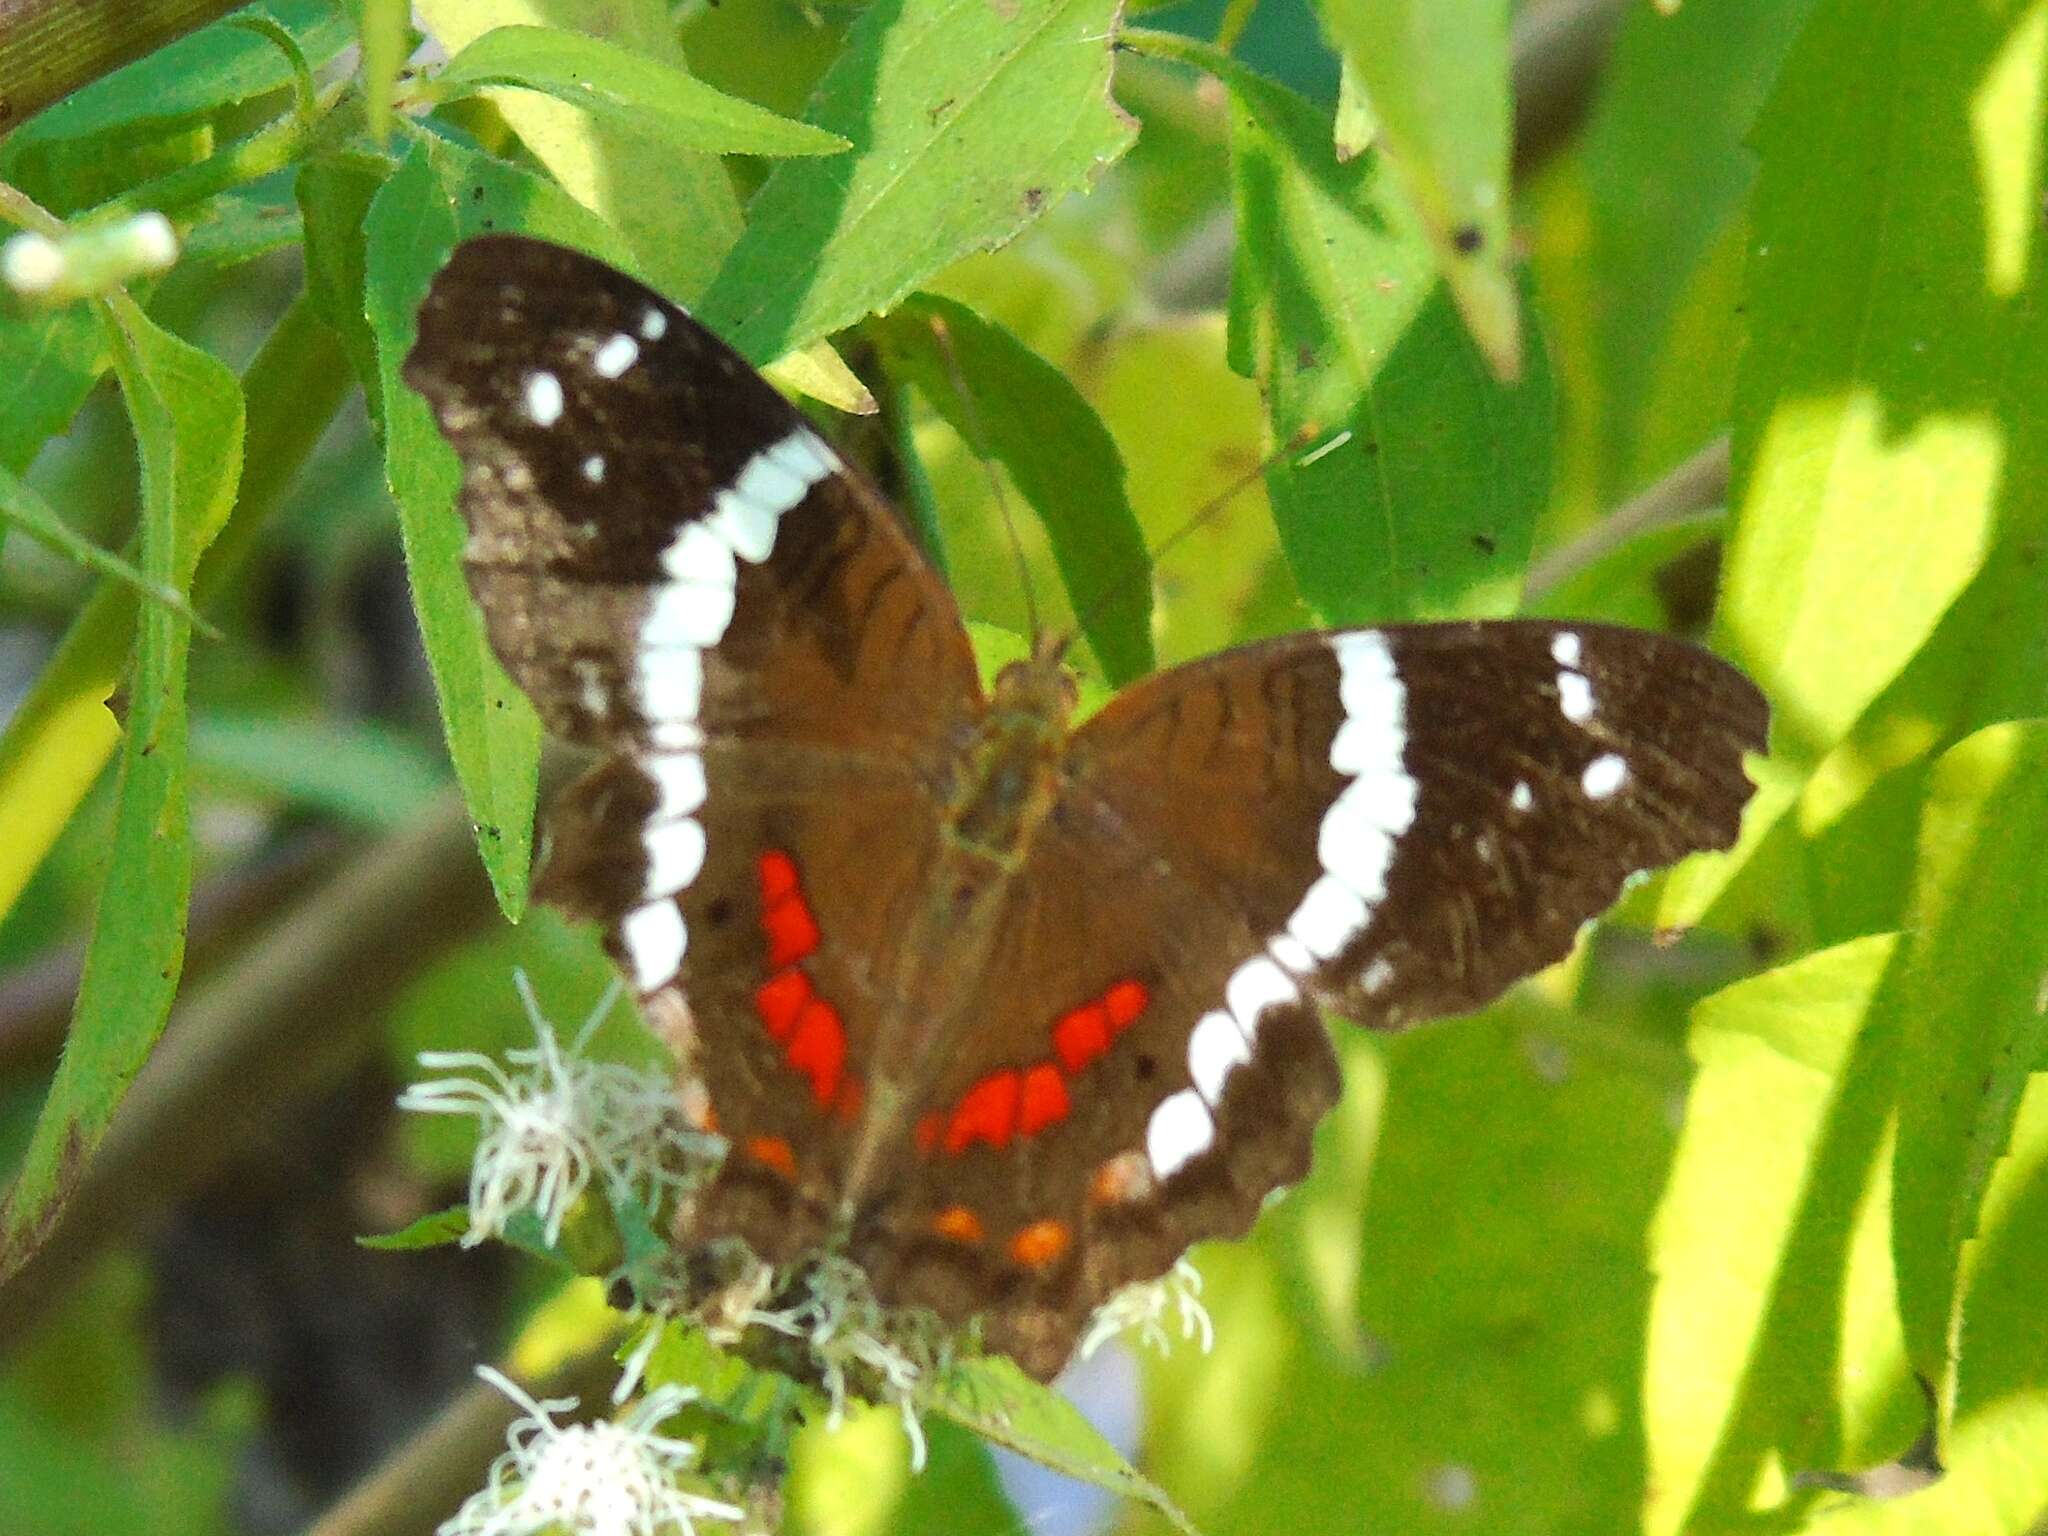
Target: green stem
49,48
62,735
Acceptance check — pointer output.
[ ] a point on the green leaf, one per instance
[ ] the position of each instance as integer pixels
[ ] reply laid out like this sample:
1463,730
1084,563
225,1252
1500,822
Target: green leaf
335,192
1418,494
1773,1337
678,211
1661,187
633,90
187,413
1970,1006
493,733
21,507
237,229
967,121
1020,411
1436,72
51,361
998,1402
358,770
1892,353
437,1229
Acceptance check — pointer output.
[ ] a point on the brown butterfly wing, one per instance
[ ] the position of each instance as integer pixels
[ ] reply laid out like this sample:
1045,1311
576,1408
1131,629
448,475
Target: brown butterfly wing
1392,824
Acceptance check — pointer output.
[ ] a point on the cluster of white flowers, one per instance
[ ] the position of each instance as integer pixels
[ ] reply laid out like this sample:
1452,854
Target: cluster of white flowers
555,1120
1142,1310
616,1478
843,1324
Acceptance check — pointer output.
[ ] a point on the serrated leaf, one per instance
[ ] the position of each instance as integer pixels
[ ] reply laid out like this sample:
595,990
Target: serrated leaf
1773,1338
1436,72
493,733
187,412
1417,493
1971,1013
967,121
437,1229
1021,412
633,90
998,1402
1887,363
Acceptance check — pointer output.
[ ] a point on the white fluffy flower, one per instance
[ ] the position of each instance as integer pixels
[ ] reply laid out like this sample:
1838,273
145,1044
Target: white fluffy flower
551,1123
1143,1310
616,1478
843,1323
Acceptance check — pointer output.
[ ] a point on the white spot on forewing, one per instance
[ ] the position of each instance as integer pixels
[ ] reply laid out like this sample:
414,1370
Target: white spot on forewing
543,397
1329,916
653,325
654,940
675,854
671,687
593,469
774,480
746,526
1603,776
1179,1131
678,781
1367,683
1523,798
1376,976
1355,846
699,555
1293,955
807,455
1254,987
1575,697
687,613
618,354
1216,1046
770,484
1565,649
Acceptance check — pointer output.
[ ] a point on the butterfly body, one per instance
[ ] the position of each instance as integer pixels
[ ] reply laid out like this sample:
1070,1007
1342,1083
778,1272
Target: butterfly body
1006,1008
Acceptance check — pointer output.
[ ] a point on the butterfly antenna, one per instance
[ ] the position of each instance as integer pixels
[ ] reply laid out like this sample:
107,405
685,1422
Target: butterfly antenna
1203,514
978,442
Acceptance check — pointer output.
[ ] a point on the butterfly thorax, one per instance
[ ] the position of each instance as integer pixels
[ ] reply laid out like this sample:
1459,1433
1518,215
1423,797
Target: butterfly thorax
1008,779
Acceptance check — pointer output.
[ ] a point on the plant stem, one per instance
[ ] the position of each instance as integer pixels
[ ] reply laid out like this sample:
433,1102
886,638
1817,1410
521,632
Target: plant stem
1694,486
49,48
63,733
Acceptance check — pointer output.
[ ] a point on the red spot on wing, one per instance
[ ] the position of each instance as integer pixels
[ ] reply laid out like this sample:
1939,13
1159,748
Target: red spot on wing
986,1112
780,999
818,1048
778,876
1125,1001
792,932
1081,1036
773,1152
1044,1099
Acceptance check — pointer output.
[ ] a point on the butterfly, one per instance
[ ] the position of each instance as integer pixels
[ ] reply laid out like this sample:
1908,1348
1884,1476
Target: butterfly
1006,1008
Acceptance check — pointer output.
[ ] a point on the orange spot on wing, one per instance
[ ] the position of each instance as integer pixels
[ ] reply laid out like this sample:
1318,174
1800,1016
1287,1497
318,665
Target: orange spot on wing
774,1152
1081,1036
1041,1243
780,999
929,1129
792,931
986,1112
1044,1099
1121,1179
818,1048
958,1223
1125,1001
778,876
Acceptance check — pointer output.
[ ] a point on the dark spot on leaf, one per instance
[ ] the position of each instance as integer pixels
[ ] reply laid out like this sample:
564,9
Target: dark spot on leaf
1034,199
1468,239
1484,543
934,114
620,1296
1304,357
476,193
